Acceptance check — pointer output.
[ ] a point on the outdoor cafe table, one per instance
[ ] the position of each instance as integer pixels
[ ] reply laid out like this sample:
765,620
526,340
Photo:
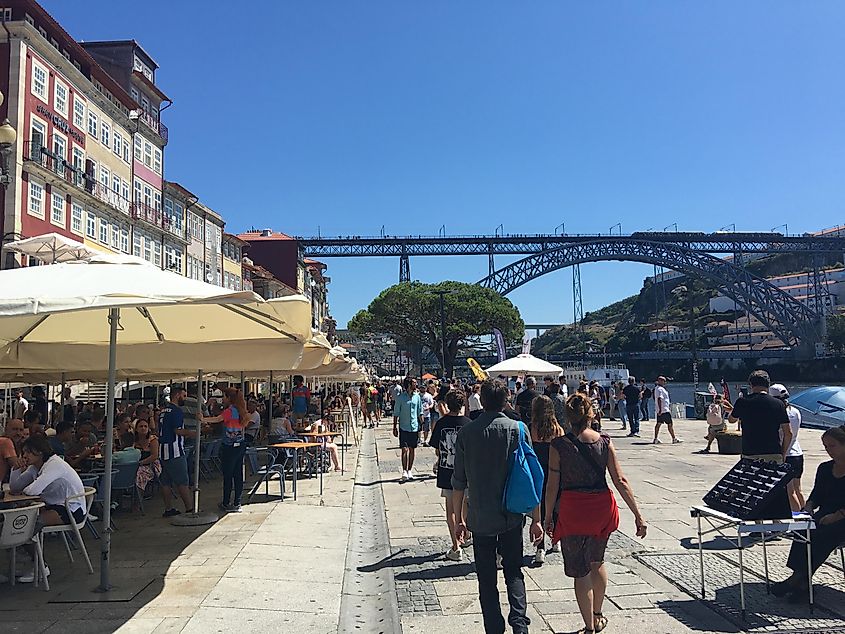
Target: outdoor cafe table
797,529
325,435
296,446
10,498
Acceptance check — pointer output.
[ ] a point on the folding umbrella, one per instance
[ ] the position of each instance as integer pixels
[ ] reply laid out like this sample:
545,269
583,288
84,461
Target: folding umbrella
71,312
523,364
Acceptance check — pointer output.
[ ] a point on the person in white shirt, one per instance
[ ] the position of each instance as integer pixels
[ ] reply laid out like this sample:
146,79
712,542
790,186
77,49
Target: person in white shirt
664,411
794,455
54,481
253,427
21,405
475,399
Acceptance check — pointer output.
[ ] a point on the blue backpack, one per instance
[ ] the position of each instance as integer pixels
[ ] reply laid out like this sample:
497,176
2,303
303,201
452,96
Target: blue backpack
524,486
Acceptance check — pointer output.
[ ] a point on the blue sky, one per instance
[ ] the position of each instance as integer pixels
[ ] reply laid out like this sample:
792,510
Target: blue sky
353,115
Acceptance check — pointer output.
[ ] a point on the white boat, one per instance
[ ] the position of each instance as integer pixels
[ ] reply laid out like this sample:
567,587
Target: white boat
603,375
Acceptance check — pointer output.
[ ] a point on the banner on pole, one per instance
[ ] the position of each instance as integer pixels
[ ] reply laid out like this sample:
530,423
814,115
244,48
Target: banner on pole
501,352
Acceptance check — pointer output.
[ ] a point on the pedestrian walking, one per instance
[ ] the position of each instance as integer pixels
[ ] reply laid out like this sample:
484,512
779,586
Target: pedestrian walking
663,410
407,417
559,402
766,433
427,399
633,394
525,398
443,439
587,511
620,403
794,455
644,399
544,429
482,457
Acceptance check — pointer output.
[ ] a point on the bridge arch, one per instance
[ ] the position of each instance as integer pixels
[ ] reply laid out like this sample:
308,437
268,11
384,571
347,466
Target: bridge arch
792,321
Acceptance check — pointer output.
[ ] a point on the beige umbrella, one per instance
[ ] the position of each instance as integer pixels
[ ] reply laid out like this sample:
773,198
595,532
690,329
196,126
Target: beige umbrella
53,248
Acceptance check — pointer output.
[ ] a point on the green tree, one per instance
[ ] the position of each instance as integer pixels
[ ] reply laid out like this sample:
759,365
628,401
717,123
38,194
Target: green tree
836,333
410,311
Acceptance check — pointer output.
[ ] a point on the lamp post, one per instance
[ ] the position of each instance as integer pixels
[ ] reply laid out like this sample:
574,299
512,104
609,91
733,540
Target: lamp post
8,136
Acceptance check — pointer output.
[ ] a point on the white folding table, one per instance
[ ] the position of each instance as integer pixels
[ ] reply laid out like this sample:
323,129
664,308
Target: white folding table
796,528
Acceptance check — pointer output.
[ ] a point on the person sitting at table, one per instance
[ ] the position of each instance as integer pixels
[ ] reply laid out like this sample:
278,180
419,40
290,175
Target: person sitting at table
149,466
63,438
123,429
129,454
321,426
79,452
10,444
52,479
827,505
281,426
253,426
98,421
32,420
142,412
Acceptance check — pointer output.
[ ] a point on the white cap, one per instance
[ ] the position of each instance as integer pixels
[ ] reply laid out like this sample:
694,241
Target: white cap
778,391
166,391
217,394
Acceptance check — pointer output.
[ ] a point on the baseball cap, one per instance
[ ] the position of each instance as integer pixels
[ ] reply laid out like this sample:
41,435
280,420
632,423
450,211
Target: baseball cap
778,391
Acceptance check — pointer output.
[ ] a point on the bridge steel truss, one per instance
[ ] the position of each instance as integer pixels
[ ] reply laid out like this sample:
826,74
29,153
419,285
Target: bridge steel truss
791,320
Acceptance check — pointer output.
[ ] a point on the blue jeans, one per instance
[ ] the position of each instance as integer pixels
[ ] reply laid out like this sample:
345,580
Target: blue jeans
634,418
644,409
620,405
232,465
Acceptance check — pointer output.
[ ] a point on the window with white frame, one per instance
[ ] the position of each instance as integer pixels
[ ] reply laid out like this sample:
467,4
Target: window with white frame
104,232
124,239
91,225
36,199
105,178
136,244
59,149
40,80
157,161
115,236
57,209
76,218
126,150
78,112
148,154
148,248
137,144
157,253
178,211
136,96
157,200
60,97
138,191
93,125
148,196
118,143
105,133
124,189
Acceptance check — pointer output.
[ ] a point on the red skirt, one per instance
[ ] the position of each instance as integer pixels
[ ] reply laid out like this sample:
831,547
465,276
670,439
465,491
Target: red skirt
586,514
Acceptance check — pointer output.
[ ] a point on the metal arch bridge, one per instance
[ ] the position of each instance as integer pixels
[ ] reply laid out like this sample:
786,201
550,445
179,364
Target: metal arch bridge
791,320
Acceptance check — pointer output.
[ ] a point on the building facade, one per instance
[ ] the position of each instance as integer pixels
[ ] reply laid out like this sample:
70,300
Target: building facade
204,259
232,250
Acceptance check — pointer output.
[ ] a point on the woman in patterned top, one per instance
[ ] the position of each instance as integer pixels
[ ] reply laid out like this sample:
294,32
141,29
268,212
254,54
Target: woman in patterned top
587,511
234,419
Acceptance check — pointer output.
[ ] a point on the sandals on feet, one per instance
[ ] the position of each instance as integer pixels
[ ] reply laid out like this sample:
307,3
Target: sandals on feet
600,622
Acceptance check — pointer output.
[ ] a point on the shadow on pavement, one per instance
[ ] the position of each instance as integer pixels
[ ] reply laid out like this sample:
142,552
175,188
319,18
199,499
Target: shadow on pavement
697,616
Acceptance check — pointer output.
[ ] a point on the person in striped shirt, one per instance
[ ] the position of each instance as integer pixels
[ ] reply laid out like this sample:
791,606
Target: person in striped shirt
174,461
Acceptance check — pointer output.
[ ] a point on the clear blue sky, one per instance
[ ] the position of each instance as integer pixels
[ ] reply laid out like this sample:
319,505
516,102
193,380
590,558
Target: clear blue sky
413,115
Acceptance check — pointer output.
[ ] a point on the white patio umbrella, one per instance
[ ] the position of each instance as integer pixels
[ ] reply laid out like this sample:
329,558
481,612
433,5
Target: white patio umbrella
85,304
523,364
53,248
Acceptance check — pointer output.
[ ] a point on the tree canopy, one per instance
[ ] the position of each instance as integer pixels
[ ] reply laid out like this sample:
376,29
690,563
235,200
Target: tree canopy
410,311
836,333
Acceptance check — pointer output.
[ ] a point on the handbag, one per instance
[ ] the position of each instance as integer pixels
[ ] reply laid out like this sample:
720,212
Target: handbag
524,484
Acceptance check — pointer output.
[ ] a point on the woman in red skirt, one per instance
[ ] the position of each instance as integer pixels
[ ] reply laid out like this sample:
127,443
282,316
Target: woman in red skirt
587,513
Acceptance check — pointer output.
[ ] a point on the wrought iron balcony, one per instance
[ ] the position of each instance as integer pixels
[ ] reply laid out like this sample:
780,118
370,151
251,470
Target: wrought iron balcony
155,125
151,215
36,152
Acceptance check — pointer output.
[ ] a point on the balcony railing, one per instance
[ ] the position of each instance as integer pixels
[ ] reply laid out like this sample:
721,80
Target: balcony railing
155,125
37,153
151,215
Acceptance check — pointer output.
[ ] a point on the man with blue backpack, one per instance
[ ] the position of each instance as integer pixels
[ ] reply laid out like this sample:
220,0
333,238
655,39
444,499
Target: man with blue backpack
494,460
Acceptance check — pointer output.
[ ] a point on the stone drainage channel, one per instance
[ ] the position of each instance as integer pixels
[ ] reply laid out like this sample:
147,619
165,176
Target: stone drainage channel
368,603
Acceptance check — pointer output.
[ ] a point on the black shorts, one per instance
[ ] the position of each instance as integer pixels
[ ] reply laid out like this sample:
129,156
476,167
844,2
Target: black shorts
78,514
666,417
797,464
409,439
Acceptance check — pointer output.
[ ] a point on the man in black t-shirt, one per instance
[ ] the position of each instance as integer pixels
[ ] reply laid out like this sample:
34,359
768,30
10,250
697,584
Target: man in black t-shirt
632,405
443,438
766,434
525,398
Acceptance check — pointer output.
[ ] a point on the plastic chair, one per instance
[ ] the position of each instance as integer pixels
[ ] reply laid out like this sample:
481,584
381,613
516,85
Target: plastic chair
98,487
208,458
18,529
73,527
124,481
267,472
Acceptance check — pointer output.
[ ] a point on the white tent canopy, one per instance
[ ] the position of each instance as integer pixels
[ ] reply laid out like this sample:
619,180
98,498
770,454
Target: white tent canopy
524,364
53,248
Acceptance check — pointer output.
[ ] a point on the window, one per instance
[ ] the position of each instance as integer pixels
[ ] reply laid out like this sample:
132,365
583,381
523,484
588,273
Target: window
137,189
92,124
91,225
36,199
157,199
148,249
57,212
148,154
60,96
115,236
157,253
124,190
148,196
136,244
105,178
137,147
76,218
60,150
176,225
157,161
38,136
126,150
118,143
39,81
78,112
104,232
105,134
136,96
124,240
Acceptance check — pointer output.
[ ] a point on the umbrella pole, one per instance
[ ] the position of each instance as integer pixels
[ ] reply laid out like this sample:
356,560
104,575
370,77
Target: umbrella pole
196,518
105,542
270,404
62,399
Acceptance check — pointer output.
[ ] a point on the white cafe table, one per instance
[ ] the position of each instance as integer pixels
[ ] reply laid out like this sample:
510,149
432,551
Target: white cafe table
796,528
